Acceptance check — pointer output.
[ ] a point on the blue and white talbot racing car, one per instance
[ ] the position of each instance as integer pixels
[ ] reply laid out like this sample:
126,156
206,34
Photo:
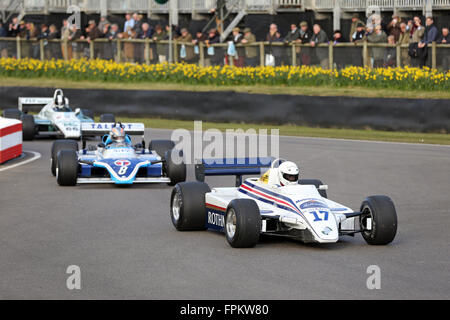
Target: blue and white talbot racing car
116,160
256,206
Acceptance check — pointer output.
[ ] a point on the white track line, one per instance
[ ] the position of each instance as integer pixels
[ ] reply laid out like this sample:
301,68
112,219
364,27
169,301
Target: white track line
36,155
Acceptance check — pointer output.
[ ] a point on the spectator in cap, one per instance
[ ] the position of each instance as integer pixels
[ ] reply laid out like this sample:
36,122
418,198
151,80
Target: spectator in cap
354,25
359,34
186,48
304,33
237,38
251,52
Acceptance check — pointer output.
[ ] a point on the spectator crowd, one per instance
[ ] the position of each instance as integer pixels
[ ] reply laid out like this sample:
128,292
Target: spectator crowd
413,34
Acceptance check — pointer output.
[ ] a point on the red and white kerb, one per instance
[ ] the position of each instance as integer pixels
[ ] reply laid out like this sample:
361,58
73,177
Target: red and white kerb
10,139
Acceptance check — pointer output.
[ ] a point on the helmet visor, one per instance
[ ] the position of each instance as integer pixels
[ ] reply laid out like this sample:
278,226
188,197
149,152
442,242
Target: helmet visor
290,177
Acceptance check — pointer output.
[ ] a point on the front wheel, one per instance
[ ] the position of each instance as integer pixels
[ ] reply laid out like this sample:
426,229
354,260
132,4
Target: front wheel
174,166
378,221
28,127
242,223
61,144
67,169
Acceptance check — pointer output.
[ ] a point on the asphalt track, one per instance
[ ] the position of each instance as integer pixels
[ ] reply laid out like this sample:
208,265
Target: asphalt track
126,247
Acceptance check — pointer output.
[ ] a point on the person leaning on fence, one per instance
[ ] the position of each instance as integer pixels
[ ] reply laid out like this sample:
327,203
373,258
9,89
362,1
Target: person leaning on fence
237,37
430,35
43,35
390,54
128,47
186,50
378,36
404,39
212,57
319,36
65,32
444,38
290,39
251,52
111,35
74,35
159,35
274,54
414,51
304,53
354,26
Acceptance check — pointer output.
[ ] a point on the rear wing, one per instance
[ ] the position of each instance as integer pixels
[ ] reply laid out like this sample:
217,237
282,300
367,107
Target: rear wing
26,104
92,129
231,167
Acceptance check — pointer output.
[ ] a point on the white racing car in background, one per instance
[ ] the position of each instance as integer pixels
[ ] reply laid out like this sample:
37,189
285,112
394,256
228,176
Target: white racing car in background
301,211
55,118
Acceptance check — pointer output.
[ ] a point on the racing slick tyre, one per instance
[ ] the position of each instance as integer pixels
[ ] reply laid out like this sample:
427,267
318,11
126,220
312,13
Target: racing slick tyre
107,117
383,216
242,223
12,114
88,113
161,146
58,145
187,206
315,182
174,167
67,169
28,127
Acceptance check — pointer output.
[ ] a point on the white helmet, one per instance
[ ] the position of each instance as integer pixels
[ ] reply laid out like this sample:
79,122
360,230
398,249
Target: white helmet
288,173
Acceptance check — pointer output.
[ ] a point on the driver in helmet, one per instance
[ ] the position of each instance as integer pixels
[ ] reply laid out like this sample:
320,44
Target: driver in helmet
61,102
286,174
116,136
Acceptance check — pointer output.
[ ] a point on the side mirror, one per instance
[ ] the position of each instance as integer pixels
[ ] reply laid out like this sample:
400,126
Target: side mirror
77,111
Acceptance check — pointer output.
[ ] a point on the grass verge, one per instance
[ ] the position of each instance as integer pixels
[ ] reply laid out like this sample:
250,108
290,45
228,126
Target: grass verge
301,131
257,89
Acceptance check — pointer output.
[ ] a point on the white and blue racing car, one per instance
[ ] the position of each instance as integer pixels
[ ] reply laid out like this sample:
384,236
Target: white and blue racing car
55,118
116,160
300,210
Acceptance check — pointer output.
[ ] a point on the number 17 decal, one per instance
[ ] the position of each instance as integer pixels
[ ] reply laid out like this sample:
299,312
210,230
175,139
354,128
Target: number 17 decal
318,213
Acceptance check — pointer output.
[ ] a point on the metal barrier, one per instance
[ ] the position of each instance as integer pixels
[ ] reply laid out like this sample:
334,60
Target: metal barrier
328,56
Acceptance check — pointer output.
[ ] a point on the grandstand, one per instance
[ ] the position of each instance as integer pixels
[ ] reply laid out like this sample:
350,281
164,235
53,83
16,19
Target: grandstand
333,12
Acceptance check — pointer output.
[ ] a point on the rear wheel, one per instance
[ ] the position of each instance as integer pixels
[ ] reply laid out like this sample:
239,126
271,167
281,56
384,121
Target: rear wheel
317,183
174,167
242,223
107,117
378,221
61,145
67,169
28,127
161,146
12,114
187,206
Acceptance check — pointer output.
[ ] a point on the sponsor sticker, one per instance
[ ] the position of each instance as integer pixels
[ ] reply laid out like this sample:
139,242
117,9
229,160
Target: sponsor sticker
122,163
